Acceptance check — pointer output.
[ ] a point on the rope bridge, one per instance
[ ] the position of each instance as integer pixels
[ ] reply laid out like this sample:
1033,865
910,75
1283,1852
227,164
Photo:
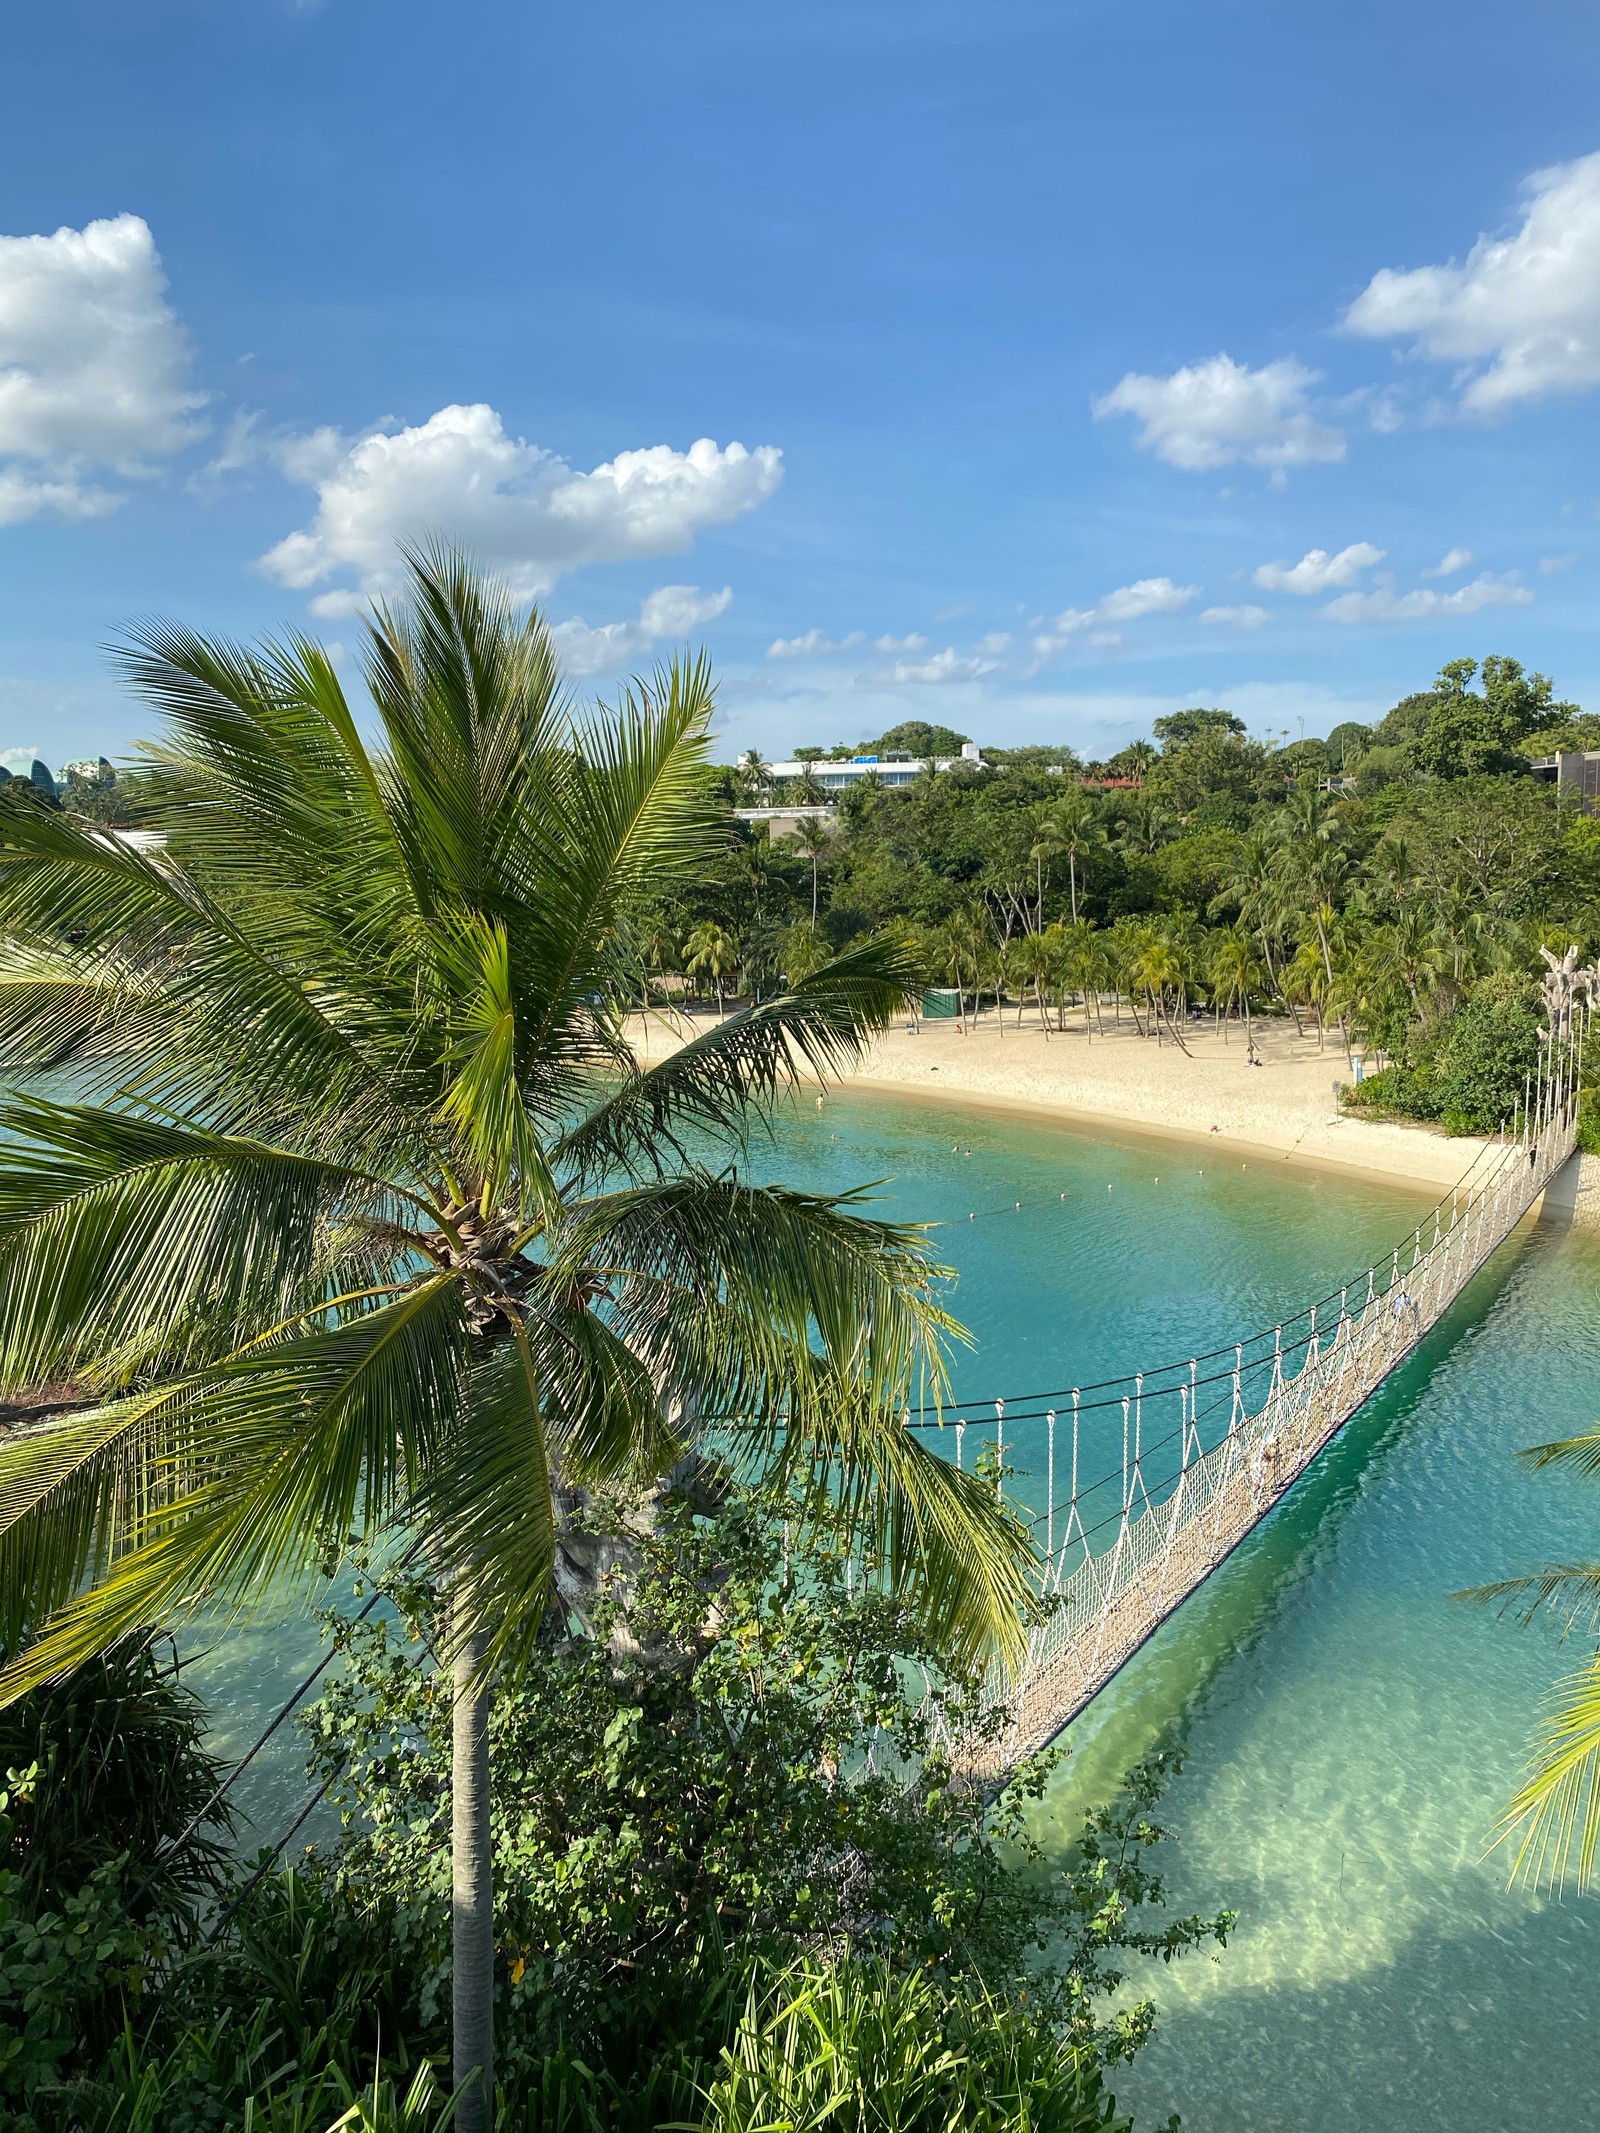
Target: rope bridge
1211,1444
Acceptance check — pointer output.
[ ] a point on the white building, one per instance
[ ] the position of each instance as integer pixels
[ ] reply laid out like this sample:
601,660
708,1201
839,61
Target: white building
890,770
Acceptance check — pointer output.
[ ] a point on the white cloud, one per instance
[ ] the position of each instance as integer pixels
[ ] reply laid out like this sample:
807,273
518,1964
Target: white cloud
1522,313
813,645
993,644
1238,618
670,611
22,498
525,510
1551,563
1128,603
244,442
94,367
1449,566
1317,571
1147,596
913,643
22,759
1423,605
1214,413
947,665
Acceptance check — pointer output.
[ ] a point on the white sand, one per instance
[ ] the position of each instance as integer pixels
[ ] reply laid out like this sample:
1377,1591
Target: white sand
1286,1105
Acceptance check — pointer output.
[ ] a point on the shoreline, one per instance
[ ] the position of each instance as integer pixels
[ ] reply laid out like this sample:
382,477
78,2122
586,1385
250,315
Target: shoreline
1201,1094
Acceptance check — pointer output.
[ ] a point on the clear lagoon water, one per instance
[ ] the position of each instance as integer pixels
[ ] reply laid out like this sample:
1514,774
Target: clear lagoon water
1348,1731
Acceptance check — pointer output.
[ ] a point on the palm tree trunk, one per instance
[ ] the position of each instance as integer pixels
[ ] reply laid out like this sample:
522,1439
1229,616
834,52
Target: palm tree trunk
471,1893
1072,871
813,888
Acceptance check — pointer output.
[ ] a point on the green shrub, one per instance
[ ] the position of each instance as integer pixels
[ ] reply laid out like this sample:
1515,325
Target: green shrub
122,1774
862,2048
1489,1049
1395,1092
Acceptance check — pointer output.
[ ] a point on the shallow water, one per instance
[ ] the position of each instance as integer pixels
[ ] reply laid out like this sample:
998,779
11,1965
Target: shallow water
1349,1731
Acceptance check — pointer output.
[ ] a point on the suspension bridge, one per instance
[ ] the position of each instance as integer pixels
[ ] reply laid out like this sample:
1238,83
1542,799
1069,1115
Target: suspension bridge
1211,1444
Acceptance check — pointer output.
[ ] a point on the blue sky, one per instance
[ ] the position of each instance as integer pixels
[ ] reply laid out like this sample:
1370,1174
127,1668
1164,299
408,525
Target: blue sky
1080,360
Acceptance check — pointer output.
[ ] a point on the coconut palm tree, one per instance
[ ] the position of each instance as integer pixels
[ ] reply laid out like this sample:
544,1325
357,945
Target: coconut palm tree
712,950
1076,829
811,839
1236,973
364,1220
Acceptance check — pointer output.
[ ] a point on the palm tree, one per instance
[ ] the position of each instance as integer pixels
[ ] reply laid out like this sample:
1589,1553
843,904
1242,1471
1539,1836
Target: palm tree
1045,847
364,1220
1236,973
1146,826
811,837
713,950
957,948
1077,830
804,951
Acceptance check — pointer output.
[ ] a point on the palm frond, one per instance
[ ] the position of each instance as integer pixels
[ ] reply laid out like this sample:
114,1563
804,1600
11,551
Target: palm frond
486,1509
794,1268
282,1453
726,1077
123,1236
949,1547
1582,1452
1554,1820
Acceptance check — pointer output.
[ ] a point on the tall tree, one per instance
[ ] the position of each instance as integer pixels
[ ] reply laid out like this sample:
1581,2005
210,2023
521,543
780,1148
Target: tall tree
365,1219
711,949
811,839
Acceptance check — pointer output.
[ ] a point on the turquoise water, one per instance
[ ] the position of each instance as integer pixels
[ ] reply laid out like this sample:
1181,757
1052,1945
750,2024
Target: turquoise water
1349,1732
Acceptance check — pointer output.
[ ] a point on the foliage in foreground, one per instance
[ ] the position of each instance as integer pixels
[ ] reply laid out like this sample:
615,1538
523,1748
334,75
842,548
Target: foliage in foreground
738,1882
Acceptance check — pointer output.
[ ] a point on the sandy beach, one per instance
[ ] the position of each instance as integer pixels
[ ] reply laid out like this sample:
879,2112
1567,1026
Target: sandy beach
1285,1107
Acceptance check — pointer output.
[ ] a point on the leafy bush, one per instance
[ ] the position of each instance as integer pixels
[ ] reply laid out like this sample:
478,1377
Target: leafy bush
747,1760
864,2048
106,1849
1469,1073
1490,1046
121,1775
1395,1092
738,1788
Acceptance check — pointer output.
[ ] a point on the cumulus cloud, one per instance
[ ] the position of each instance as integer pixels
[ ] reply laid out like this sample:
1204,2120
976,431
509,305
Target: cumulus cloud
947,665
94,367
21,498
670,611
913,643
1214,413
993,643
525,510
1146,596
1450,565
1318,571
813,645
1128,603
1521,314
1237,618
1551,563
1424,604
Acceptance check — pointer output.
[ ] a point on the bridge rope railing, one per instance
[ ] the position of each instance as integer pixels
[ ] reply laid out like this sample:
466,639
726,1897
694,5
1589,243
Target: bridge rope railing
1207,1452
